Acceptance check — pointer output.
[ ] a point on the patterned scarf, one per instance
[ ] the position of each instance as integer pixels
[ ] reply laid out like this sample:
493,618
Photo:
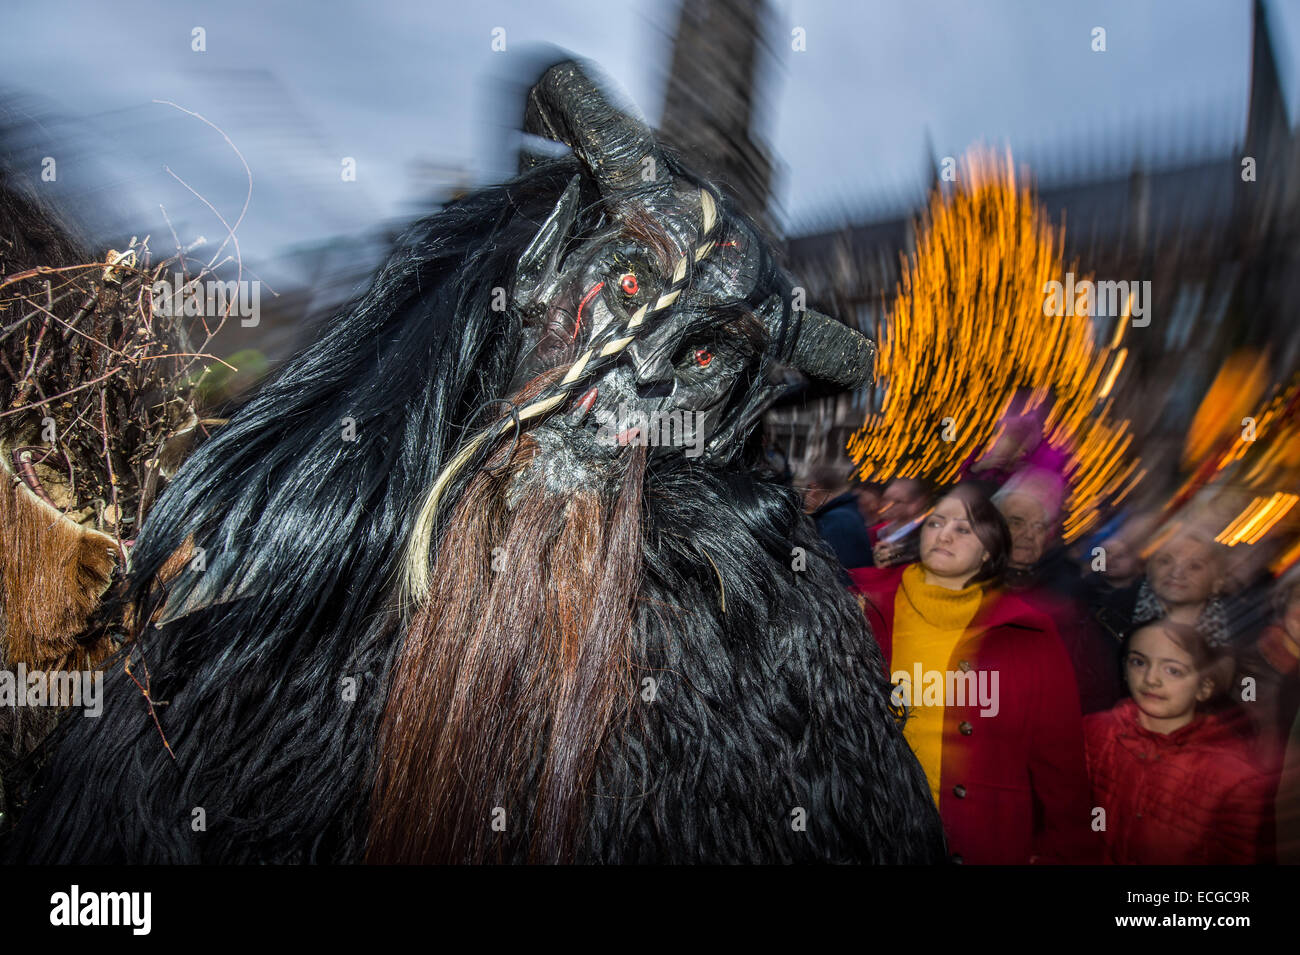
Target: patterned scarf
1212,623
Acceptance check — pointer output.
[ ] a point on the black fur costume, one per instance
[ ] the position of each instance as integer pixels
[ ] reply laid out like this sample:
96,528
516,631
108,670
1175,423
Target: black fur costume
772,738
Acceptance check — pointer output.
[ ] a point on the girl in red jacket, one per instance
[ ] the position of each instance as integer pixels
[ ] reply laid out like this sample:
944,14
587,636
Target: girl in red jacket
1172,780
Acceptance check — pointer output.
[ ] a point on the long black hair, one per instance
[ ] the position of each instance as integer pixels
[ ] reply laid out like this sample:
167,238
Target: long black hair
268,665
266,661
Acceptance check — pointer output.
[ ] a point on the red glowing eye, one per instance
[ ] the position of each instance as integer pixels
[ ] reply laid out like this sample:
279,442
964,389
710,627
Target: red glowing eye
629,284
702,357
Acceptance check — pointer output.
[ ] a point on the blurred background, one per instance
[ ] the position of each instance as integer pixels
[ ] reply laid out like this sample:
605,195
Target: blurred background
1157,142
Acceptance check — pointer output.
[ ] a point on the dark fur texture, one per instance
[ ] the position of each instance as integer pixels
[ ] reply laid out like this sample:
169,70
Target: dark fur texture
766,735
776,705
302,535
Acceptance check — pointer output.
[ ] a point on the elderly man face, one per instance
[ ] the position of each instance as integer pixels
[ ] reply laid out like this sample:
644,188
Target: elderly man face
1030,528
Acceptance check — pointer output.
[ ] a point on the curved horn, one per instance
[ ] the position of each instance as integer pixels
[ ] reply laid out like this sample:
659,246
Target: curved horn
825,349
832,351
566,105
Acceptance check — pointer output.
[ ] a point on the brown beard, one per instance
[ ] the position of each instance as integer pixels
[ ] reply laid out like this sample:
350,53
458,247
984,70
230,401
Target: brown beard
514,670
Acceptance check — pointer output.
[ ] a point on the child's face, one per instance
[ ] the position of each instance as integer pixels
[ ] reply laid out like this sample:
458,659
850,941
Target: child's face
1162,676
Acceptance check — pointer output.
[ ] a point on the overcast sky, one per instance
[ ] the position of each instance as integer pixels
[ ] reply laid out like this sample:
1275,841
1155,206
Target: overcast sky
412,92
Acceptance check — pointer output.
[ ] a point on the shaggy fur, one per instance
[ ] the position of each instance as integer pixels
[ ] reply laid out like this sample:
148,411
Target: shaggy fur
769,736
302,534
514,671
43,613
777,704
756,733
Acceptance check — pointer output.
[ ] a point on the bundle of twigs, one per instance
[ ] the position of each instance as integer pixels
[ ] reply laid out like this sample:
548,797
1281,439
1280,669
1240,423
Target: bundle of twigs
101,399
100,404
100,407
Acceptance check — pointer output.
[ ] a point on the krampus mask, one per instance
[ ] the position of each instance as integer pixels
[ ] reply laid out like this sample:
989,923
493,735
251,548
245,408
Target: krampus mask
542,605
666,318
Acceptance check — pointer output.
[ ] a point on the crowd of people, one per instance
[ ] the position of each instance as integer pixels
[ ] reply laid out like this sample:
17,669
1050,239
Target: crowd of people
1127,700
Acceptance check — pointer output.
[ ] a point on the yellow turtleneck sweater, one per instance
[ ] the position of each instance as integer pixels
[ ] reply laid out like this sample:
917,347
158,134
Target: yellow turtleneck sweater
929,621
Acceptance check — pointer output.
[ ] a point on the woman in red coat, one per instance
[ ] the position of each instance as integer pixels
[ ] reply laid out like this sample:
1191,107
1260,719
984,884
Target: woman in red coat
1176,783
993,711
